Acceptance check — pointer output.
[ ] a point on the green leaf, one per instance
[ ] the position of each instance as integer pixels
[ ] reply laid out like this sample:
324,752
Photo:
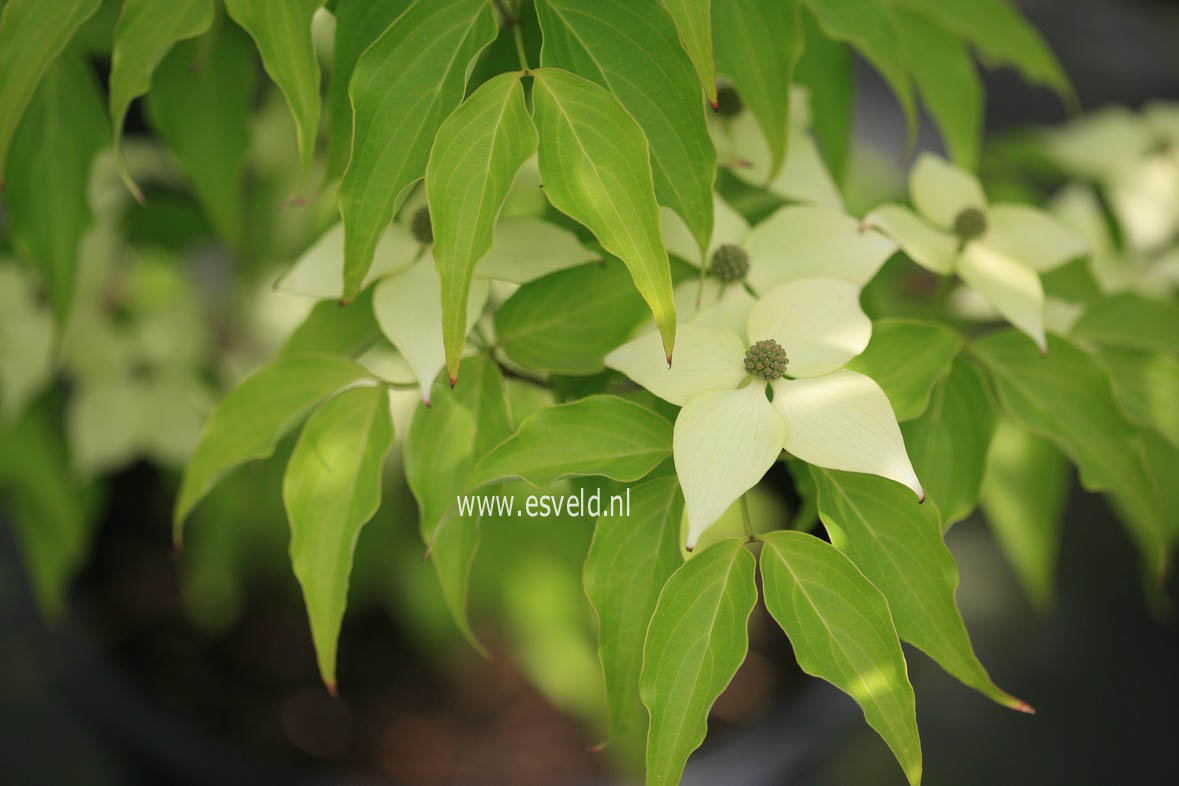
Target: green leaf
358,24
199,105
825,69
1128,320
697,638
331,488
403,87
484,392
255,415
568,321
1147,385
51,516
630,559
282,32
948,443
1024,491
1002,36
32,34
693,22
758,45
631,50
336,329
908,357
871,27
49,170
596,435
842,632
145,32
475,157
1067,397
897,543
596,169
948,82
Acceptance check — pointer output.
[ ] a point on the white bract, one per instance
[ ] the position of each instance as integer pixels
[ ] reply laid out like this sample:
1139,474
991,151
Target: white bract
729,432
998,250
407,298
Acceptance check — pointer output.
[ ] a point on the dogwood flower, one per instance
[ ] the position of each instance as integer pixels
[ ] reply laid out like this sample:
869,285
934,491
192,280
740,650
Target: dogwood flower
792,346
407,297
998,250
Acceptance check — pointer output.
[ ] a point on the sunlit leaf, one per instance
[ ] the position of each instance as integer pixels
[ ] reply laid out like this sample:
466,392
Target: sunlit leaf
897,543
693,22
475,157
842,631
696,640
403,87
335,328
596,169
331,488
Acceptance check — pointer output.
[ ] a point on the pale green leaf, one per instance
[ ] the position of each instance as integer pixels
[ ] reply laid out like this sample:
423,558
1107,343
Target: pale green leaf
27,338
948,443
907,358
200,105
473,162
526,248
693,22
629,560
897,543
596,435
32,34
757,46
842,631
331,488
282,32
403,87
631,50
48,172
596,169
1024,491
358,24
255,415
871,27
145,32
948,82
336,329
1128,320
697,639
1067,397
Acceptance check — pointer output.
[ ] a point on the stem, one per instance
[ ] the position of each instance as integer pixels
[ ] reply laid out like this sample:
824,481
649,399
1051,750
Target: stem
746,521
518,36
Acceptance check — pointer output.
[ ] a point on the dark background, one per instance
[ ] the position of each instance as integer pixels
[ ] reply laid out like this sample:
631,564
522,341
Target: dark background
127,691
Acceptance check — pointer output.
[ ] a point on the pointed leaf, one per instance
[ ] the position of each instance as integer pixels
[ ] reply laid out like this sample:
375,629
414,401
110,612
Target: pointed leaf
697,638
1024,491
758,45
897,543
596,169
331,488
32,34
630,559
255,415
948,443
145,32
842,632
693,22
403,87
596,435
200,106
907,358
631,50
1067,397
48,172
358,24
340,330
282,32
474,160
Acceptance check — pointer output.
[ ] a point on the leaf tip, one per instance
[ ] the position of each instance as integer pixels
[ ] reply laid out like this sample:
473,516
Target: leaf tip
599,747
669,360
332,689
1022,706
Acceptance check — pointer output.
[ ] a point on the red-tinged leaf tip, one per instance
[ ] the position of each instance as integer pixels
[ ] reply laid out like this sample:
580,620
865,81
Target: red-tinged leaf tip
453,380
688,548
714,104
669,360
1023,706
601,746
921,497
332,689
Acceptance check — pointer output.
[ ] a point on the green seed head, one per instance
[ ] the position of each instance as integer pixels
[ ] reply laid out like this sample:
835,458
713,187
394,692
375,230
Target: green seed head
970,223
421,226
766,359
729,263
728,102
